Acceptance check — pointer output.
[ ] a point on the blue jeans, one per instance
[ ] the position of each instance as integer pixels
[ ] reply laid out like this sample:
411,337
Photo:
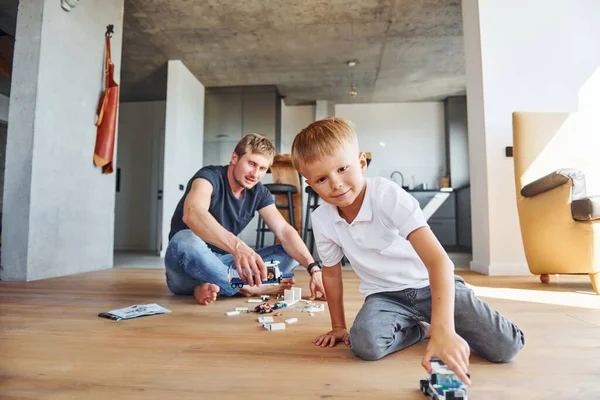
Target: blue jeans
190,262
389,321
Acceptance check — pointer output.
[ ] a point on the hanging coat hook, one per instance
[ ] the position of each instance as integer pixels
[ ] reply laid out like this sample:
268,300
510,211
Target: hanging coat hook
110,29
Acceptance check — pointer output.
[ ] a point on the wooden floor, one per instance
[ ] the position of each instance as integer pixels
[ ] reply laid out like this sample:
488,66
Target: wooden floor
53,345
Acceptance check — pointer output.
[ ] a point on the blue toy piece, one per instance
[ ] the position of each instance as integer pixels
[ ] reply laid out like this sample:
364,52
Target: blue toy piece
443,384
274,276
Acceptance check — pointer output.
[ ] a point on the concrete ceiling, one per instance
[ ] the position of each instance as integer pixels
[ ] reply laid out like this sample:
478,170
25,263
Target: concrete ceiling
407,50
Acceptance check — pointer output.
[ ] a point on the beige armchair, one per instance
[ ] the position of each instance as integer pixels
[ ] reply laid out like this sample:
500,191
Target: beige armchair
556,163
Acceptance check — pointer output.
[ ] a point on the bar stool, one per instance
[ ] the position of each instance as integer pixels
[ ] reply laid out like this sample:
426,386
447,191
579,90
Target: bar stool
275,189
312,203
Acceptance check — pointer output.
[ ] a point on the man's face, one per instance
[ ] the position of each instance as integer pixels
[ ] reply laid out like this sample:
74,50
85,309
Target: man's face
338,178
249,169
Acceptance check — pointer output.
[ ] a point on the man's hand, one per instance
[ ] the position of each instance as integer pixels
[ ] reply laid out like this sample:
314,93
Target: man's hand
249,264
332,337
452,350
316,286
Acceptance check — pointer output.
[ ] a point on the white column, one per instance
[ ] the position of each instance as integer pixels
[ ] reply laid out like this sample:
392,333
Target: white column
184,138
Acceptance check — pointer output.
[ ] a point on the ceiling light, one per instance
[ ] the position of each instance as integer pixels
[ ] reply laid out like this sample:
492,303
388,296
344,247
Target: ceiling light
68,5
353,92
352,63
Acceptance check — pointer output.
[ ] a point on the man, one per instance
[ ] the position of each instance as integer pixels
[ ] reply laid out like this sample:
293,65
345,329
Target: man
218,203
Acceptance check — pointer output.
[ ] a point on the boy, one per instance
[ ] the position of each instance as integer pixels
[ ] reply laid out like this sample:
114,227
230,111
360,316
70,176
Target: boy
407,277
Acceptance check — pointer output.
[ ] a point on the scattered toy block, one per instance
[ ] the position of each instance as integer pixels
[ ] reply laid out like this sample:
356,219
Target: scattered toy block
291,320
297,293
230,313
314,308
288,295
263,320
241,309
275,327
255,301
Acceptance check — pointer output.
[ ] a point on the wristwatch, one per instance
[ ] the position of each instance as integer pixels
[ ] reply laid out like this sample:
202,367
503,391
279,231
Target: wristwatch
314,264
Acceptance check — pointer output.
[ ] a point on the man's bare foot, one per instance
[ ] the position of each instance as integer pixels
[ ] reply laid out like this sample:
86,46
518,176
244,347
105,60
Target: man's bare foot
206,293
249,291
427,328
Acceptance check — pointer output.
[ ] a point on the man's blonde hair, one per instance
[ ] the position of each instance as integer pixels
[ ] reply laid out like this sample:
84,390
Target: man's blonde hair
321,138
254,143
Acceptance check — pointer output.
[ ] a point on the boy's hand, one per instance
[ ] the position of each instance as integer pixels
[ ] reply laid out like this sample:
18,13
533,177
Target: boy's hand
316,285
332,337
452,350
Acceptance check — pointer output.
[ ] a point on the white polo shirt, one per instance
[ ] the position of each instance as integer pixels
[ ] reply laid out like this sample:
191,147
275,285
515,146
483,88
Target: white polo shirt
375,242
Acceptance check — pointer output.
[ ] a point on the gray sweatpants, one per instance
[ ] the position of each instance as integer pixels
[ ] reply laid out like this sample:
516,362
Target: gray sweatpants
388,322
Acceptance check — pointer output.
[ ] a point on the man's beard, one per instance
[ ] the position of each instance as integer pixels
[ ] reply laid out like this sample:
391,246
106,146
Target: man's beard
242,183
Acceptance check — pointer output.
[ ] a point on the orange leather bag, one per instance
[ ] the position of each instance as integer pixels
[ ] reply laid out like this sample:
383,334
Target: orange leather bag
107,115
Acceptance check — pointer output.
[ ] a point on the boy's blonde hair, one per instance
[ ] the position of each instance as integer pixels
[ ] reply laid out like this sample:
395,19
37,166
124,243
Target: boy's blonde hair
321,138
254,143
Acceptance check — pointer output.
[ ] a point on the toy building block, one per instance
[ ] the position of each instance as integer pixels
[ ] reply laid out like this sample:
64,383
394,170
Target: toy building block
230,313
291,320
288,295
265,297
280,304
275,327
297,293
241,309
314,308
255,301
263,320
443,384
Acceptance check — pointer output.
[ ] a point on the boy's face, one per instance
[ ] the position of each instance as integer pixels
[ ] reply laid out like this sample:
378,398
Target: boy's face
338,178
249,169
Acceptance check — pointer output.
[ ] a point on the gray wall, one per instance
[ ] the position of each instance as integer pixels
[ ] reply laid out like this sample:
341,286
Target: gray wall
58,207
4,103
141,132
3,131
233,112
457,140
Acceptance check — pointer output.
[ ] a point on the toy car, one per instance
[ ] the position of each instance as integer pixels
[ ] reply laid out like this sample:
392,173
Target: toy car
443,384
274,276
263,308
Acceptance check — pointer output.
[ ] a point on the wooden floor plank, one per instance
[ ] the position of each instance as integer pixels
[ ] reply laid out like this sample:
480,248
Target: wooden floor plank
53,345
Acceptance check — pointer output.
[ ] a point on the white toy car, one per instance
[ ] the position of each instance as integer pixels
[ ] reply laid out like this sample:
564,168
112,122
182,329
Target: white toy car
443,384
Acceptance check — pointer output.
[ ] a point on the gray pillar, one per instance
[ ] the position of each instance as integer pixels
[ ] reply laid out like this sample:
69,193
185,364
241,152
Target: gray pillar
324,109
58,208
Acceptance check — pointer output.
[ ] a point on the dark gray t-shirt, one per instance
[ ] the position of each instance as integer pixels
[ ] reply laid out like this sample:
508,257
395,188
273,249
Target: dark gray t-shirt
232,213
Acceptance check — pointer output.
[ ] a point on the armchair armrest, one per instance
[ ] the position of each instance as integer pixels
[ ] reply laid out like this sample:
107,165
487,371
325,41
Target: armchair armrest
583,208
556,179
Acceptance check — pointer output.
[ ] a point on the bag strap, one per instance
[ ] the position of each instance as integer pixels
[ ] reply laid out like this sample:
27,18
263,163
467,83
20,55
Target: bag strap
108,60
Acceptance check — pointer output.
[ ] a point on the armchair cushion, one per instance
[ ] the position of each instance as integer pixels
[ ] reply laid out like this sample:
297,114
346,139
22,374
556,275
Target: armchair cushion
586,209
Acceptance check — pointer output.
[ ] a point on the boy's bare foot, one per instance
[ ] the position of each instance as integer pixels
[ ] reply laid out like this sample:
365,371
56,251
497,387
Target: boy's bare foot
249,291
206,293
427,328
